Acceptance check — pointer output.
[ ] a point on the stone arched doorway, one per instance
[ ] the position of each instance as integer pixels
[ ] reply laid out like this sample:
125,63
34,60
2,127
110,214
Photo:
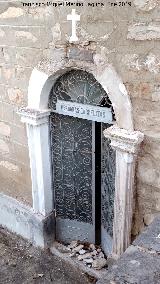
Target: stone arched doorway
123,139
83,162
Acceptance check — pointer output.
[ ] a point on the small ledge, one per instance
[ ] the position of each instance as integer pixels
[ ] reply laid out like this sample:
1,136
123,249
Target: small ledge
33,116
124,140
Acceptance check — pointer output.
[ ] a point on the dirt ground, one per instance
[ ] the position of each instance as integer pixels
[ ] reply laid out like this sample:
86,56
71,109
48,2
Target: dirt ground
21,263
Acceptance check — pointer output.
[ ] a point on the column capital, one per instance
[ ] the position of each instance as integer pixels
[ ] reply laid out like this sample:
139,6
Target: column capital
33,116
124,140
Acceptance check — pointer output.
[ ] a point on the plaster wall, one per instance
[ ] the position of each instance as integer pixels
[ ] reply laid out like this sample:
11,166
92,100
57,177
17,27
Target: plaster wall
127,37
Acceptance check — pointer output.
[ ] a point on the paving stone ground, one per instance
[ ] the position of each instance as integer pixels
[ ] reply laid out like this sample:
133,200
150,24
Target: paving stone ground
140,264
21,263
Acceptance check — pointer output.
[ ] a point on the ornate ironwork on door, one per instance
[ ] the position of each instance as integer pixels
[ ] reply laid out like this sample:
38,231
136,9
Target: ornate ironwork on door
71,146
108,183
78,86
73,160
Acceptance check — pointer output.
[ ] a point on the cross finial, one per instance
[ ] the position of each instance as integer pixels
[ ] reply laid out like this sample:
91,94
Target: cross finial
74,18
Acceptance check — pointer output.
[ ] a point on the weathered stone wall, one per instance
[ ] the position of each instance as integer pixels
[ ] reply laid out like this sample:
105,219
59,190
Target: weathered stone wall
129,38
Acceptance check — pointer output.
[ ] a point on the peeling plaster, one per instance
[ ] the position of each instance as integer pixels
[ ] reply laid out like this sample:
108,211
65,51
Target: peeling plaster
145,5
134,62
152,63
12,12
56,32
15,95
143,31
26,35
9,166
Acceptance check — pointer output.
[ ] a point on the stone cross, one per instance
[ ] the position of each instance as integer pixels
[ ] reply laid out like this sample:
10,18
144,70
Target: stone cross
74,18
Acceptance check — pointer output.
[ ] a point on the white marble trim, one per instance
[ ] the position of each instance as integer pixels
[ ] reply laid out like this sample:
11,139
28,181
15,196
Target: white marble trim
33,116
126,143
37,122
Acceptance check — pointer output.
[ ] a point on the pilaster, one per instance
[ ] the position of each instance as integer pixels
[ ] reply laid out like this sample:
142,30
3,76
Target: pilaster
37,123
126,144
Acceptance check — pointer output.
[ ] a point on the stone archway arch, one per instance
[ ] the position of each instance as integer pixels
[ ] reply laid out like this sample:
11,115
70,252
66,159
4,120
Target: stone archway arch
123,138
47,72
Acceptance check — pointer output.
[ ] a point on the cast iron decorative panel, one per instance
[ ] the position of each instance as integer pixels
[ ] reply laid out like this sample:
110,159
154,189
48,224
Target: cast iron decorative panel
71,147
108,183
78,86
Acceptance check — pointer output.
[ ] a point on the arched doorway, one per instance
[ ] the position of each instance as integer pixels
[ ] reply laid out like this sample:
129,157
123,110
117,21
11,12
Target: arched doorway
123,138
83,162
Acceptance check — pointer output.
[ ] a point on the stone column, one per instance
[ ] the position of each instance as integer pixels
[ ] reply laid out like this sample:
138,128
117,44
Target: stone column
40,161
126,144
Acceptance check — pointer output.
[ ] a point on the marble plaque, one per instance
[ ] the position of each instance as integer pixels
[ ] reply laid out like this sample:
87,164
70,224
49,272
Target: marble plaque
89,112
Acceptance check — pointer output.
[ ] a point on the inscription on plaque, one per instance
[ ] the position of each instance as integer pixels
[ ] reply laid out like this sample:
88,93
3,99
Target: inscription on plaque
88,112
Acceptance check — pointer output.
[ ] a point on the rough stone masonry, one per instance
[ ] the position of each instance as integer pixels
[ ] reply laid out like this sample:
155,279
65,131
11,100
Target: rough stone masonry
127,36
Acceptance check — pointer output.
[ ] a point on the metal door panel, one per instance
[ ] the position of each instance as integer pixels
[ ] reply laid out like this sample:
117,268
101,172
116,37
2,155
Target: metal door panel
108,191
72,157
83,186
68,230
